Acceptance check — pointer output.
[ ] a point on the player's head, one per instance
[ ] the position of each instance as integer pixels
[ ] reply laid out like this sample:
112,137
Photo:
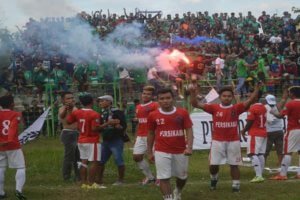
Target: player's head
67,97
165,98
294,92
226,96
7,102
105,101
147,93
86,99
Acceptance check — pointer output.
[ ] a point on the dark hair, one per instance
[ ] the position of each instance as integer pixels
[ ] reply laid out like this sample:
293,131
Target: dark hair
6,101
63,94
164,91
295,91
226,89
149,88
86,99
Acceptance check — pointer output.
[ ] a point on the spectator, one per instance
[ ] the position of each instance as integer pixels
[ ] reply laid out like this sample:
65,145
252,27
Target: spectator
112,134
80,76
125,83
60,77
154,79
69,136
39,77
220,63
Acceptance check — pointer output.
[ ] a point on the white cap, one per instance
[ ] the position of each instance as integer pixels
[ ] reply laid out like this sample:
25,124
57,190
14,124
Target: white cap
271,99
107,98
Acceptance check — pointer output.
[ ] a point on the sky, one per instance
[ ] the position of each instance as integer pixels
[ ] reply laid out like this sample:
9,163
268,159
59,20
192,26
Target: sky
17,12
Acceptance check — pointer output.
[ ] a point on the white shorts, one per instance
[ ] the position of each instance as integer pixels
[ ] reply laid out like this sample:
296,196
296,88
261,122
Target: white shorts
225,153
168,165
90,151
13,159
140,145
256,145
291,141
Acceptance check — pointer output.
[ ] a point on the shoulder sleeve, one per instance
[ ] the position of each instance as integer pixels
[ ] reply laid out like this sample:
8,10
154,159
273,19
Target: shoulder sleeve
209,108
151,122
95,119
251,113
240,107
187,120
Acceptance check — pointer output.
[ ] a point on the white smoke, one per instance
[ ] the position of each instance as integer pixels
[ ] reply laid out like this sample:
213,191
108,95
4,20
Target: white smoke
80,42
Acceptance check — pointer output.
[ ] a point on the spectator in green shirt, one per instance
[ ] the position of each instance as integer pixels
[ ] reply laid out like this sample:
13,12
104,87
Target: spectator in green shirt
242,74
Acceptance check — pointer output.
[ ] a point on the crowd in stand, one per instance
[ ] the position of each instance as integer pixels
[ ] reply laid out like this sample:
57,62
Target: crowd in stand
265,48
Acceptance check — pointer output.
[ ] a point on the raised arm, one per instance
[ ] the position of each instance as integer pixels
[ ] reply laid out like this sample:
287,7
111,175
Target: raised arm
283,100
193,98
253,96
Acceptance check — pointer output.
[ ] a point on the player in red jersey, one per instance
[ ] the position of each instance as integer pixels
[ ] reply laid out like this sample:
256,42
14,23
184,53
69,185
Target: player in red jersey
170,128
88,141
291,141
140,146
11,154
225,147
257,140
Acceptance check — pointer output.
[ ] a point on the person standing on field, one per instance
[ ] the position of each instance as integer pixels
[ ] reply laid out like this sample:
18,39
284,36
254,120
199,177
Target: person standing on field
140,147
11,154
170,129
69,136
257,139
88,142
275,126
291,139
225,147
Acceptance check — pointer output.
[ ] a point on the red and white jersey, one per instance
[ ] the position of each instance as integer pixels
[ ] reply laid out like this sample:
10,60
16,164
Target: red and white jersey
258,114
142,111
292,110
225,121
86,119
169,128
9,124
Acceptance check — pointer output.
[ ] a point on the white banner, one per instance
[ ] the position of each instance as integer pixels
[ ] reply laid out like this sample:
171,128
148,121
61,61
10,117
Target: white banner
211,96
202,126
34,129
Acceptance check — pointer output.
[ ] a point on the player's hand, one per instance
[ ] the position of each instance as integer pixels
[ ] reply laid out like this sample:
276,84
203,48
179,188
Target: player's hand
151,158
259,85
113,122
188,151
118,126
